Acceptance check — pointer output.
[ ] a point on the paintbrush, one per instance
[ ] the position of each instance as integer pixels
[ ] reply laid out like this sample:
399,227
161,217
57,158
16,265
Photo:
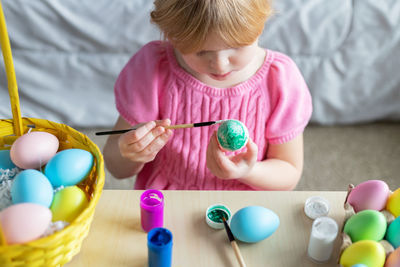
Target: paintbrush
233,243
177,126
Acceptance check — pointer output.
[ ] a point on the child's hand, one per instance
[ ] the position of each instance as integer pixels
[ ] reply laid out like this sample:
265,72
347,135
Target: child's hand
143,144
230,167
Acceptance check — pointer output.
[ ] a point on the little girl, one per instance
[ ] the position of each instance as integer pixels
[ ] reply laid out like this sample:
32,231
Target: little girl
209,67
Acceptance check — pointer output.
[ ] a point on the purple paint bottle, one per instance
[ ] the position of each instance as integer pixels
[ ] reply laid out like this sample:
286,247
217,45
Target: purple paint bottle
151,209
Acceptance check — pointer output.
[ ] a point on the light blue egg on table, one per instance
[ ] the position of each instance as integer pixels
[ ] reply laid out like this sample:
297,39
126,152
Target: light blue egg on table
69,167
393,233
254,223
5,160
33,187
359,265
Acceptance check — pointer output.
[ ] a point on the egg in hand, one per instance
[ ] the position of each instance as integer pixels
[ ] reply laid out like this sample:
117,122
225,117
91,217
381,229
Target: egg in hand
232,135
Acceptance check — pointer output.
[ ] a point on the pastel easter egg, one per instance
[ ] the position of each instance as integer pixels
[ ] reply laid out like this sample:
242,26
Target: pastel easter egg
232,135
5,160
393,203
33,150
369,195
366,225
359,265
367,252
254,223
393,260
2,238
69,167
393,233
31,186
24,222
68,203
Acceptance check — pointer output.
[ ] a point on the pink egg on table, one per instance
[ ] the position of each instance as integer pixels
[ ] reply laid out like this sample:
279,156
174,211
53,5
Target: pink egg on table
393,260
371,194
24,222
33,150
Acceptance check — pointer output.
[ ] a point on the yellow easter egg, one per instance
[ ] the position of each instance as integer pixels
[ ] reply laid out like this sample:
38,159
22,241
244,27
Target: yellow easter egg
2,238
393,203
68,203
367,252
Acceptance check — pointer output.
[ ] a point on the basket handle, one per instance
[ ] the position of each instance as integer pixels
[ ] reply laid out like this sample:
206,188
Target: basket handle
10,72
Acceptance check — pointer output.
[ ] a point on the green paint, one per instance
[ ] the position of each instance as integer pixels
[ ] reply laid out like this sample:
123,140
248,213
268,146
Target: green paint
217,213
232,135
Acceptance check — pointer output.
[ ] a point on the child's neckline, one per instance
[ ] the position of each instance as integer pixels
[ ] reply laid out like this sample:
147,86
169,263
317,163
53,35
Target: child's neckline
201,86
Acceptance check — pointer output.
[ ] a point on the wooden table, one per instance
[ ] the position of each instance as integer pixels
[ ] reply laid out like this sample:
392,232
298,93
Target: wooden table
116,238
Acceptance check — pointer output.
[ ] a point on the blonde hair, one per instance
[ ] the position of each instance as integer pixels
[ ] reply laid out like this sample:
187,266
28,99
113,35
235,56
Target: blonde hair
186,23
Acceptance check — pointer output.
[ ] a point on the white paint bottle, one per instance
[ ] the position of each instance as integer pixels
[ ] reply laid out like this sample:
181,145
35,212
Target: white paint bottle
322,239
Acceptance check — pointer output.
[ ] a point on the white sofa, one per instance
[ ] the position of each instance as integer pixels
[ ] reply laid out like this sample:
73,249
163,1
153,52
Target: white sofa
67,55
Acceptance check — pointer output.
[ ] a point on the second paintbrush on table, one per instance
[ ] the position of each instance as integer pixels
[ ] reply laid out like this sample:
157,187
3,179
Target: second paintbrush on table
177,126
234,245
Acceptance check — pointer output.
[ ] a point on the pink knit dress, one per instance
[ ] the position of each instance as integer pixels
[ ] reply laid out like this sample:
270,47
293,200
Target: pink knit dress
274,104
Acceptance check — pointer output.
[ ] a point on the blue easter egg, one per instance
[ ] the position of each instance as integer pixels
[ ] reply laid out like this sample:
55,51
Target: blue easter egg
31,186
69,167
359,265
5,160
393,233
254,223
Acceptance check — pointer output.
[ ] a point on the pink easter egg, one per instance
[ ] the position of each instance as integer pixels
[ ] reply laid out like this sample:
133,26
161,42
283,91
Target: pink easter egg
33,150
393,260
371,194
24,222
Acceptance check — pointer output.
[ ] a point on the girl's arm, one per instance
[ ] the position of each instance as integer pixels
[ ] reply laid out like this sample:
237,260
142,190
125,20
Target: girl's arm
126,154
281,170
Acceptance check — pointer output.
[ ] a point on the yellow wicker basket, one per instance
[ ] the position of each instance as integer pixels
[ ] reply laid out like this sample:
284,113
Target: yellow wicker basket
58,248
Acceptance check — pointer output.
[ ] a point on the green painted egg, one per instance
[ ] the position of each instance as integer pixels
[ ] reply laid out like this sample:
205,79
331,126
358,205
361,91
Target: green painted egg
367,252
366,225
393,233
232,135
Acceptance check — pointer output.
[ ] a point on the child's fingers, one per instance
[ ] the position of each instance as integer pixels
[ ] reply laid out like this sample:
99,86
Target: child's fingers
164,122
147,139
149,152
135,135
252,151
222,161
145,134
158,143
212,163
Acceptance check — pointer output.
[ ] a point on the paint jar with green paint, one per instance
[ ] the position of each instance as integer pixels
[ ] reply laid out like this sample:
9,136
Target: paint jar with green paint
214,215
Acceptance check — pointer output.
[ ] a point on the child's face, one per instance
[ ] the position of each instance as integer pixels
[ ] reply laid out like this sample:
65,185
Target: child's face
220,65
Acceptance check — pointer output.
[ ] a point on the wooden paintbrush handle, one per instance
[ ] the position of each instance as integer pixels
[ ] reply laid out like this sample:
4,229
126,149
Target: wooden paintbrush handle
179,126
191,125
238,254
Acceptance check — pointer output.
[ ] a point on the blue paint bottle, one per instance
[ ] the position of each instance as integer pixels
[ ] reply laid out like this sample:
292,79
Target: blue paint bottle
159,244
